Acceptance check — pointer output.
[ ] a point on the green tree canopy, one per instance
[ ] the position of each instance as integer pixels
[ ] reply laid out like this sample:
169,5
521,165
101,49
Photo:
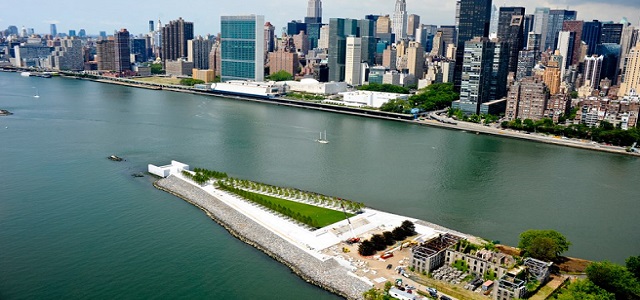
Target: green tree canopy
435,96
633,265
543,244
386,88
396,105
585,290
190,81
156,69
614,278
281,75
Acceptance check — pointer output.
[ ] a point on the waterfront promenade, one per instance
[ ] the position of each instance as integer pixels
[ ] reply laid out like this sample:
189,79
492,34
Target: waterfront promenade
310,254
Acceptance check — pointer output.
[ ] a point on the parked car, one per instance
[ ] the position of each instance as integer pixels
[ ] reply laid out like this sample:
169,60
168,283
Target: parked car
443,297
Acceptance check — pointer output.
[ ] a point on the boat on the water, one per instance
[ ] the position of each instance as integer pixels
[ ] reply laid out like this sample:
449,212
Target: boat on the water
25,74
115,158
323,140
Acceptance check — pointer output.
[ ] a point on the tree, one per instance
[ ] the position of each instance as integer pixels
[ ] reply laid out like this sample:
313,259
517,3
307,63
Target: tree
388,238
387,286
366,248
396,106
633,265
399,234
379,242
387,88
156,69
281,75
543,244
584,290
409,228
614,278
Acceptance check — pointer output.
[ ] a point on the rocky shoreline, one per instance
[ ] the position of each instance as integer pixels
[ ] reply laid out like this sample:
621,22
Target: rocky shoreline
329,274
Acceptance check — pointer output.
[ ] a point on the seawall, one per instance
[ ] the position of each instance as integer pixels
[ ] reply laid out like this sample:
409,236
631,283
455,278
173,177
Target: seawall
329,274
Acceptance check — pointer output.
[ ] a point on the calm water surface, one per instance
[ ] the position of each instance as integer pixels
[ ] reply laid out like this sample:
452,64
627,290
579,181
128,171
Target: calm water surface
76,225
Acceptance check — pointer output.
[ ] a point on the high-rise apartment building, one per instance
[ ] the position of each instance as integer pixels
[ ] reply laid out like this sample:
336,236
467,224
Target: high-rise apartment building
106,55
476,76
526,62
175,35
631,83
285,58
400,20
242,42
353,61
323,41
565,47
592,69
122,51
415,60
314,12
198,50
67,56
527,99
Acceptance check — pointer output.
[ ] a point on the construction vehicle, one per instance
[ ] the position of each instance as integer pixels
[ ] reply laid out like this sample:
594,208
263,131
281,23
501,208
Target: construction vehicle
353,239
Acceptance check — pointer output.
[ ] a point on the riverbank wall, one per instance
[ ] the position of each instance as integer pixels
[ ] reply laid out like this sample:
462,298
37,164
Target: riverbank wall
329,274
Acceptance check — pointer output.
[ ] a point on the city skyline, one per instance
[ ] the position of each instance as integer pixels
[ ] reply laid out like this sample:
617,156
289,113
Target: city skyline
206,21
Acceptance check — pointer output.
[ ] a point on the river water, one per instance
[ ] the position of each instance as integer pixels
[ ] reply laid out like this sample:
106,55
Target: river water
76,225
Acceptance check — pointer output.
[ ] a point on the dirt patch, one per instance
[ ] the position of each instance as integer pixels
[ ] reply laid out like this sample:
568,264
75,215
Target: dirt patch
513,251
572,265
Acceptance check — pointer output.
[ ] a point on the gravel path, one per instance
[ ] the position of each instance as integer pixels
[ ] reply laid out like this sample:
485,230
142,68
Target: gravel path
328,275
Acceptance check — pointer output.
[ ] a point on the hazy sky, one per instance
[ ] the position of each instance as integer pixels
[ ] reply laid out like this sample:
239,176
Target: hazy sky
134,15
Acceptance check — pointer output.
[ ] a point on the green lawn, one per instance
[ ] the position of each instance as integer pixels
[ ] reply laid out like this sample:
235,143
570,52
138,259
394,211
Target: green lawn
323,216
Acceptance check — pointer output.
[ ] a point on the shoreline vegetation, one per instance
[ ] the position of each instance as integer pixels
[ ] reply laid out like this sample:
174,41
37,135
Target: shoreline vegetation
398,117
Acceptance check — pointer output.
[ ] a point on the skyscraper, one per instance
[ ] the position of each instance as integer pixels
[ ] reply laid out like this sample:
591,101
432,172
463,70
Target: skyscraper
54,30
413,24
314,12
269,37
510,30
476,76
493,24
400,20
175,35
339,30
540,24
631,84
611,33
556,19
353,59
383,24
472,19
242,42
122,51
151,27
565,46
415,60
576,27
591,34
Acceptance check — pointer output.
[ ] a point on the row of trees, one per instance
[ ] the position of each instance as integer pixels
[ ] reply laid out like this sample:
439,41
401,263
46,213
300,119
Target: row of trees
190,81
379,242
312,198
605,132
281,75
201,176
474,118
386,88
210,173
433,97
263,201
607,281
